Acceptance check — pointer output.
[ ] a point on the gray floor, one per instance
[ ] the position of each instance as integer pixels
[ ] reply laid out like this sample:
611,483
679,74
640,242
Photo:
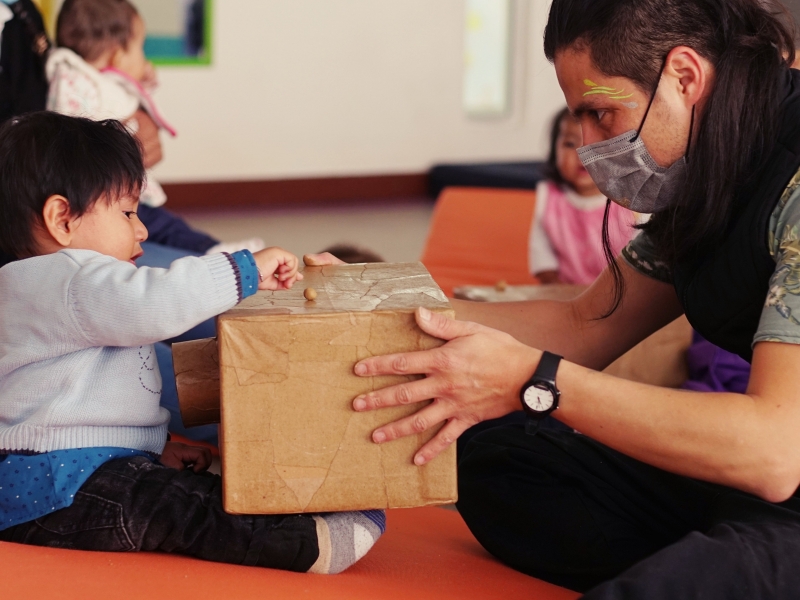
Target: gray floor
394,229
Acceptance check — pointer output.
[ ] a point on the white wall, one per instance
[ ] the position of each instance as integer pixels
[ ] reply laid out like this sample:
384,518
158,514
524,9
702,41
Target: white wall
303,88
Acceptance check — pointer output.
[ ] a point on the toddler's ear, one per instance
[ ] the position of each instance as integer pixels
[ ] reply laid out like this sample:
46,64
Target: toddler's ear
58,220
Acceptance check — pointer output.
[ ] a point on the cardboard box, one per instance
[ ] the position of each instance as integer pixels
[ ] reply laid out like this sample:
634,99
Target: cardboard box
289,439
196,366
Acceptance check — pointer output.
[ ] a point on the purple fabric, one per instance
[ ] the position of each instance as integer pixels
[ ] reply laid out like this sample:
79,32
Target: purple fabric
712,369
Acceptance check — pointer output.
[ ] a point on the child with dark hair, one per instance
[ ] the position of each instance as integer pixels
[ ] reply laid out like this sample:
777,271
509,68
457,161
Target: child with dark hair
566,244
84,457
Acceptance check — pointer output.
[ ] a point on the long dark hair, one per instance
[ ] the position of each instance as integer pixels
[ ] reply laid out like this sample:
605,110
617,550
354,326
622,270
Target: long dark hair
749,43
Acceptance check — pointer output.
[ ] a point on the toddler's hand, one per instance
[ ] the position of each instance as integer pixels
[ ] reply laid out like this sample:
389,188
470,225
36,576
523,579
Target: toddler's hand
179,456
278,269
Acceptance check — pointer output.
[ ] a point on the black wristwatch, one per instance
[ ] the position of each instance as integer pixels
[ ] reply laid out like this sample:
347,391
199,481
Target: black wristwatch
539,396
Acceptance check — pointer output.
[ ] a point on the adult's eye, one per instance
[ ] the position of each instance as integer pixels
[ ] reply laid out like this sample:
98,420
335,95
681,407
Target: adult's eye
599,114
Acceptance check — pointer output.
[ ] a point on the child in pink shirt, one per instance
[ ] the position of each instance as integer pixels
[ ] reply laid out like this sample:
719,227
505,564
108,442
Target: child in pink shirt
566,244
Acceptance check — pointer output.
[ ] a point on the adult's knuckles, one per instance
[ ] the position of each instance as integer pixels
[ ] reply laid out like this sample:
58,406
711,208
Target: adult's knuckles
400,364
419,424
442,361
403,394
447,388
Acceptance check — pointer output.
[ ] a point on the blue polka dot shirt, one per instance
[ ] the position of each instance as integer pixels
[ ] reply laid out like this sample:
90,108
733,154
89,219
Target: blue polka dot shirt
34,486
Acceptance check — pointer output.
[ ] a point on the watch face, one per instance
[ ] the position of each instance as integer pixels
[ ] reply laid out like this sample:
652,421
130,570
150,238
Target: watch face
538,399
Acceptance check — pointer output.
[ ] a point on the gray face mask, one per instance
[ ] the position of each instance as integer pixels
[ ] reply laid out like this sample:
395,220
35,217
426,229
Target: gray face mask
624,171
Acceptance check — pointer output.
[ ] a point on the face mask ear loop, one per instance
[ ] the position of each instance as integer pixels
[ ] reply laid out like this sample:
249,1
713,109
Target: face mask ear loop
691,131
650,104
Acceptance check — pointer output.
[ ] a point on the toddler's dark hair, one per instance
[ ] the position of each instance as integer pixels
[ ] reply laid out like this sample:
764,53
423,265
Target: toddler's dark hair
550,168
91,27
43,154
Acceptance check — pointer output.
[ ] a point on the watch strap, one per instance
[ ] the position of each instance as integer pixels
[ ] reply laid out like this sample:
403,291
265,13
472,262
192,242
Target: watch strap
532,425
548,367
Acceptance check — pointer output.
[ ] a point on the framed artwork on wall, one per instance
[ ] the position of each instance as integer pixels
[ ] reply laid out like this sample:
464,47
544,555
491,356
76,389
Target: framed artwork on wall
178,31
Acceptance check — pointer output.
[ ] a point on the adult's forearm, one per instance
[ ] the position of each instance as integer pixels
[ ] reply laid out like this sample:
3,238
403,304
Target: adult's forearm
546,324
577,328
738,440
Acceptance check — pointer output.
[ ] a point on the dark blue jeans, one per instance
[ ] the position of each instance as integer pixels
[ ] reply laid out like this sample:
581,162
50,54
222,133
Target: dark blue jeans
134,504
565,508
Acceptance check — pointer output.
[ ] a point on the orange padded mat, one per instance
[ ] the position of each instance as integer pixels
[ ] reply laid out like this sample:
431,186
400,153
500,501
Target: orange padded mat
479,236
425,553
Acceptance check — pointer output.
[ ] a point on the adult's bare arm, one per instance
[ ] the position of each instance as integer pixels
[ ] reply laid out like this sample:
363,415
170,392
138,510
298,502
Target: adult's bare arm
574,328
745,441
148,137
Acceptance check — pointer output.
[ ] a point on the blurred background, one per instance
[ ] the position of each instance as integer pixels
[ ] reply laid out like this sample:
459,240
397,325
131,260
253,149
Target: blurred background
310,122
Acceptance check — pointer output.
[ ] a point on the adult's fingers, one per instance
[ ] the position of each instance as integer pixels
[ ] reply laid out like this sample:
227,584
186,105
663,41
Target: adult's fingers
422,420
321,260
398,395
443,327
407,363
438,443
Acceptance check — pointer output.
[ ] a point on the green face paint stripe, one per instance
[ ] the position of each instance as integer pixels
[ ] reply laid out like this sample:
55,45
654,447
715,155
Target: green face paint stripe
607,93
612,93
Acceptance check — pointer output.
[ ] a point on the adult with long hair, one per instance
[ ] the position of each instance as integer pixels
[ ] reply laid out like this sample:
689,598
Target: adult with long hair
689,111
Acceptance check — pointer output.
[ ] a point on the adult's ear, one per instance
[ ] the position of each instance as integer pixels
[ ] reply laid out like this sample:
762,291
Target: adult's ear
691,73
58,220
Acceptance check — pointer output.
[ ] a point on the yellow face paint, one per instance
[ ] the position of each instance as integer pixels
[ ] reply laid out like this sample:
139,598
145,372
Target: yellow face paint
612,93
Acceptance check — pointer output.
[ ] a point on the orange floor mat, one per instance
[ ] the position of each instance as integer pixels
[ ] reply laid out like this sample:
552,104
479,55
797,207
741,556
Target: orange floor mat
425,553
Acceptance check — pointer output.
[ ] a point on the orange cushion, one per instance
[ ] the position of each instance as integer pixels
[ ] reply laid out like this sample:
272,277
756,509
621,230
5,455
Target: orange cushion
425,553
479,236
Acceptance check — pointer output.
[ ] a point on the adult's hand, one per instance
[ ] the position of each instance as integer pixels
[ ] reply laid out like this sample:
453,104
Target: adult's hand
148,138
474,377
321,260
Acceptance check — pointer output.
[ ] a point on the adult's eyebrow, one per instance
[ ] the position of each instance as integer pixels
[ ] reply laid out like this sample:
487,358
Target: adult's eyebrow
583,108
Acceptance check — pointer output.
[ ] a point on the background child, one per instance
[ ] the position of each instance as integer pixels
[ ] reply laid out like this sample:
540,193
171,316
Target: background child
84,457
566,244
99,71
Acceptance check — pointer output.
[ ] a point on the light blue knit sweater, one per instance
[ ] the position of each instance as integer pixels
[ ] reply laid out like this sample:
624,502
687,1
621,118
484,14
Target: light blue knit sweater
77,365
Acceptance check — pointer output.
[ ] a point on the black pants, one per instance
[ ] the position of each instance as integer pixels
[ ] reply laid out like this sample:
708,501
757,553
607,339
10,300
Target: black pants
564,508
134,504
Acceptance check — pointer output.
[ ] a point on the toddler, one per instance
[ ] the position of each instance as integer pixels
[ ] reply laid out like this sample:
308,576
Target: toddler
84,457
566,244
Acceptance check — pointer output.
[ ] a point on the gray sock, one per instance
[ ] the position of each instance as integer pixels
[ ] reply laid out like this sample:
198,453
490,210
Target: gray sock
344,538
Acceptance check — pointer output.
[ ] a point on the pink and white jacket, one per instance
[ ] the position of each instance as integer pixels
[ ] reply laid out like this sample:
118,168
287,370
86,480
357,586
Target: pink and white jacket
79,89
567,233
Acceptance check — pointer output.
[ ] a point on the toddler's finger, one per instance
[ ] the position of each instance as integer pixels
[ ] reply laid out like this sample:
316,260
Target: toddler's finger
269,283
